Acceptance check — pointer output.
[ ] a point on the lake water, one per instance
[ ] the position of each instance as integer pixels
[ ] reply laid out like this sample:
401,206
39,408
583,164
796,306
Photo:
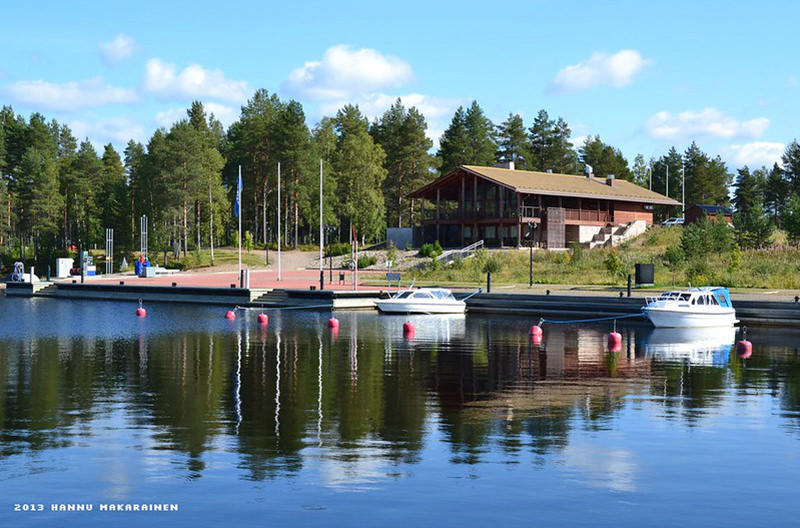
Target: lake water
466,424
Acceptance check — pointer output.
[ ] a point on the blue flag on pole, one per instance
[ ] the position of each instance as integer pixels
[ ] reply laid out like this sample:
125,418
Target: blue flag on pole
237,205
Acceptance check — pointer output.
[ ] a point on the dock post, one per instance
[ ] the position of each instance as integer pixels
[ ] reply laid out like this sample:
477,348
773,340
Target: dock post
629,284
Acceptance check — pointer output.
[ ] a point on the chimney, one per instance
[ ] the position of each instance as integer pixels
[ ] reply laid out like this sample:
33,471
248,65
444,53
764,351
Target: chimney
505,165
610,180
587,171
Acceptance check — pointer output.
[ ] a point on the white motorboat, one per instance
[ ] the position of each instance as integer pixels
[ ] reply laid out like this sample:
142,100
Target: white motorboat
422,300
692,308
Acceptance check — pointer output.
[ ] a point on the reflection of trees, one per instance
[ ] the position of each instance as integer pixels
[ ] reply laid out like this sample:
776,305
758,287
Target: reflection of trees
47,391
186,376
489,388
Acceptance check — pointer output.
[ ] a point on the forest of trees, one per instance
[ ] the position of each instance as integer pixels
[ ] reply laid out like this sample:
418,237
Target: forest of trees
57,191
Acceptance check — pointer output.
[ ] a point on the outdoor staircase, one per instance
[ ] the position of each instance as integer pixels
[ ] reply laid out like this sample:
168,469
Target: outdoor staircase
294,299
273,298
49,290
613,235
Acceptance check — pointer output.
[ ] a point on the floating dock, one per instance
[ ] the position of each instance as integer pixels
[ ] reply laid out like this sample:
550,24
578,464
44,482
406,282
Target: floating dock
252,297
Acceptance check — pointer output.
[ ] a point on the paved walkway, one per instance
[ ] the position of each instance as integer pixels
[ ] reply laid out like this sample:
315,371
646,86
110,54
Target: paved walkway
296,279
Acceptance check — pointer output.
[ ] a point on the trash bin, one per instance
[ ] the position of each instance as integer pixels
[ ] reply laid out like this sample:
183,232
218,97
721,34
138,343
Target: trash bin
645,275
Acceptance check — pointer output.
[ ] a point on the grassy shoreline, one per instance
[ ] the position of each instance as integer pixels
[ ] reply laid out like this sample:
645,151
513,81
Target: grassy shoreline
778,267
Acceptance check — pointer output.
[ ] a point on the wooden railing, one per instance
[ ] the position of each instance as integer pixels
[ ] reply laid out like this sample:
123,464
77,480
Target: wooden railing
587,215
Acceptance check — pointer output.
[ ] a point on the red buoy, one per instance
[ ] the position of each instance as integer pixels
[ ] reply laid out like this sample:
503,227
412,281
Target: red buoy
535,330
614,342
263,318
408,330
141,312
744,348
333,323
230,315
536,339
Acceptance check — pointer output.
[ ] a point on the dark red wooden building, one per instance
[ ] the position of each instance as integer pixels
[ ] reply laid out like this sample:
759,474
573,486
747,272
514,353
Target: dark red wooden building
496,205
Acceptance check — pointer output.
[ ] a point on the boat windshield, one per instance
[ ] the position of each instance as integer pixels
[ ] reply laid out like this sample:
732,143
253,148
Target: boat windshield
403,295
674,296
442,294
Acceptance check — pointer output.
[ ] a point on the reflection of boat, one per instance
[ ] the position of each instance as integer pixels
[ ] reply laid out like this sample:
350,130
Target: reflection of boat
701,346
440,328
424,301
695,307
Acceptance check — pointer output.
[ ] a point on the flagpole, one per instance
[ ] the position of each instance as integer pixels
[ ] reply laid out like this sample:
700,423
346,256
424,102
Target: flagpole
321,235
279,220
238,196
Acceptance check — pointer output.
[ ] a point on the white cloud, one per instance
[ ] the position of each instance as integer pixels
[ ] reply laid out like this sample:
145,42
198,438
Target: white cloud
116,130
344,71
224,114
438,111
601,69
166,118
708,122
793,81
70,96
756,154
115,51
163,80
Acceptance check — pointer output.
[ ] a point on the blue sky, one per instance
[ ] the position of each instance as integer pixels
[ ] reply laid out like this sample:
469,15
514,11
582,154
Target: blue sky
644,76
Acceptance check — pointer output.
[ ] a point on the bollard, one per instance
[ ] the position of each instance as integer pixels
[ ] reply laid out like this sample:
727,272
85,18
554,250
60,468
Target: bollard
629,284
489,283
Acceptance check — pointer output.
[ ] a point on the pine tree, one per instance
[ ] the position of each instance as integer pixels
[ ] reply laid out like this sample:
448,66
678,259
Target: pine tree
401,134
453,145
775,193
791,166
550,146
604,159
753,228
360,174
512,142
481,147
706,179
746,196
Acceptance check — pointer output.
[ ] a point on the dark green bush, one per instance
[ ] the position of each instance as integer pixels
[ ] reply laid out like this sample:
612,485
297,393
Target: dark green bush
431,250
339,248
365,262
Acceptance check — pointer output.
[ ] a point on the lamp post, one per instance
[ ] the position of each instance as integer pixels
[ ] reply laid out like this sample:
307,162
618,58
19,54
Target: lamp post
330,254
531,227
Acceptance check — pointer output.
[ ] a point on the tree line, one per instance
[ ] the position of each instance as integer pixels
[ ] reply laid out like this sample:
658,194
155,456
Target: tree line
57,192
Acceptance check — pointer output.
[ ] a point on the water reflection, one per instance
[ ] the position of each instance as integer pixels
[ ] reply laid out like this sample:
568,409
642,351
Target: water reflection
357,403
698,346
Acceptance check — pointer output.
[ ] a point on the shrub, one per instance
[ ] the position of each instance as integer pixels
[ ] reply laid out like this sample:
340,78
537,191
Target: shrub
365,262
614,264
576,252
391,252
492,265
673,259
339,248
431,250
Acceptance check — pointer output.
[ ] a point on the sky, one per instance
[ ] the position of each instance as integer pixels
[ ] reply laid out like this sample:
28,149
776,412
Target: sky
644,76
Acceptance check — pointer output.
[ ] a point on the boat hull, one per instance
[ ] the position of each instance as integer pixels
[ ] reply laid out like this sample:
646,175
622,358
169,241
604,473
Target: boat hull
676,318
409,306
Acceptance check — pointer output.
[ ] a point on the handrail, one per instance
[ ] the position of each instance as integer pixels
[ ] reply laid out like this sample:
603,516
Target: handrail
466,251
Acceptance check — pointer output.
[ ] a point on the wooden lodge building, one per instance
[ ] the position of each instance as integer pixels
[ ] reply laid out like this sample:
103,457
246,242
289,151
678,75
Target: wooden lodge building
497,204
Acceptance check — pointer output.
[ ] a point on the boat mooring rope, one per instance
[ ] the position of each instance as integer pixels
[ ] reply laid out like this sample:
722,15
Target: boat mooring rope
596,319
